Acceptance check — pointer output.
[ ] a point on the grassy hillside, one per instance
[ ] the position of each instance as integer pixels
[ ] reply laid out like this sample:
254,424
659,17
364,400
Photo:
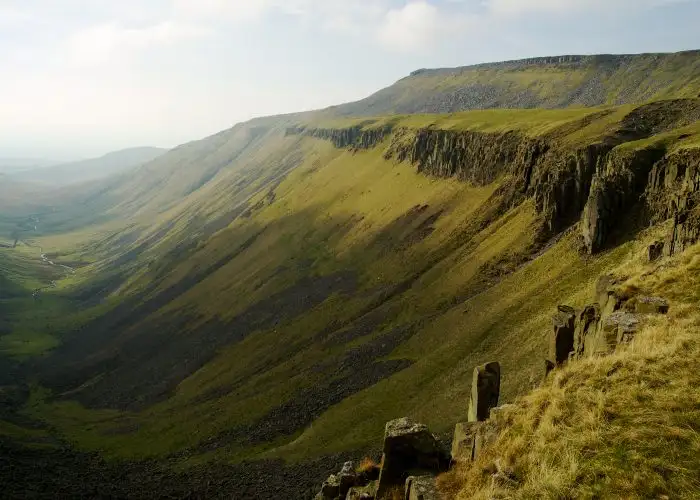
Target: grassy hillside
549,82
280,290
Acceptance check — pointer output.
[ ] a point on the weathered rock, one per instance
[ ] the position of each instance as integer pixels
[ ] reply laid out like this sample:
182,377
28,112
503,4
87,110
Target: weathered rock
486,434
617,186
607,296
586,327
346,481
673,192
620,327
561,342
463,441
421,488
362,492
655,251
499,413
650,305
368,474
486,387
409,449
362,136
331,487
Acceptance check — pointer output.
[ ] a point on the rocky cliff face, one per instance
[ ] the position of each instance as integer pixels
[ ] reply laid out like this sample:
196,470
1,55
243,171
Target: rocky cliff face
357,137
597,184
558,179
673,192
617,186
479,158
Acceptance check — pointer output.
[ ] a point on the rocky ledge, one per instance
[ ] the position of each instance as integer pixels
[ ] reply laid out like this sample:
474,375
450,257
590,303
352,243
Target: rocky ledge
602,185
413,458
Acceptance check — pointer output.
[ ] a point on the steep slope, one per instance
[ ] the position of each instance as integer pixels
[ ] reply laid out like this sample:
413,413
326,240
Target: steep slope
313,274
90,170
545,82
282,289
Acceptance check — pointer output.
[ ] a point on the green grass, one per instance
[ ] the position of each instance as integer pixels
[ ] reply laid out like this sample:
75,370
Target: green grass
27,344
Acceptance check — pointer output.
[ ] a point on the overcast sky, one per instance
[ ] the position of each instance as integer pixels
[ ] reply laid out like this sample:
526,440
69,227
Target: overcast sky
83,77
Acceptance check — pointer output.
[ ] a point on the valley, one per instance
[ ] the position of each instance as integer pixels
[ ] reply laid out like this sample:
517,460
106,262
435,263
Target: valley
242,314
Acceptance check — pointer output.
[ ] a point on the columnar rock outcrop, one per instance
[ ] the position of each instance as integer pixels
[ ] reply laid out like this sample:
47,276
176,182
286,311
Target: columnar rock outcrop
412,457
486,387
617,185
409,450
599,328
357,137
475,157
673,192
562,339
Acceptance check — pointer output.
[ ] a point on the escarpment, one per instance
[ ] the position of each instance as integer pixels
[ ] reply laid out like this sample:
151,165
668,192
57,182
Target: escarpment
673,192
557,178
617,185
357,137
615,182
476,157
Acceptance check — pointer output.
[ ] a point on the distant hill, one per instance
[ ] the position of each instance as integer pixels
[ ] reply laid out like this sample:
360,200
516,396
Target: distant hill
10,165
544,82
90,170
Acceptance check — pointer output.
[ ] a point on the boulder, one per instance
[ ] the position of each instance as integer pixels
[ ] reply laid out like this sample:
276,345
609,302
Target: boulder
486,434
500,412
607,297
421,488
347,478
331,487
486,386
561,342
620,327
585,330
409,449
463,441
650,305
655,251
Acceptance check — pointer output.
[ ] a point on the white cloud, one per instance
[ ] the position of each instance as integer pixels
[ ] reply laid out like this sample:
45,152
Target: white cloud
103,42
419,26
12,15
239,10
518,7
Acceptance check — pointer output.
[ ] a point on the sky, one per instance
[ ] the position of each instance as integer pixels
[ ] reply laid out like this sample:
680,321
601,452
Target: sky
80,78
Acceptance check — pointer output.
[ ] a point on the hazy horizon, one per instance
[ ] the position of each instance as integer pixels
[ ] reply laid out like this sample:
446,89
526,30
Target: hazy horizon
93,77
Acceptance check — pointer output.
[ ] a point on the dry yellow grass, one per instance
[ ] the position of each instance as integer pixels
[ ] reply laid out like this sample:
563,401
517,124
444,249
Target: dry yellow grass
621,426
